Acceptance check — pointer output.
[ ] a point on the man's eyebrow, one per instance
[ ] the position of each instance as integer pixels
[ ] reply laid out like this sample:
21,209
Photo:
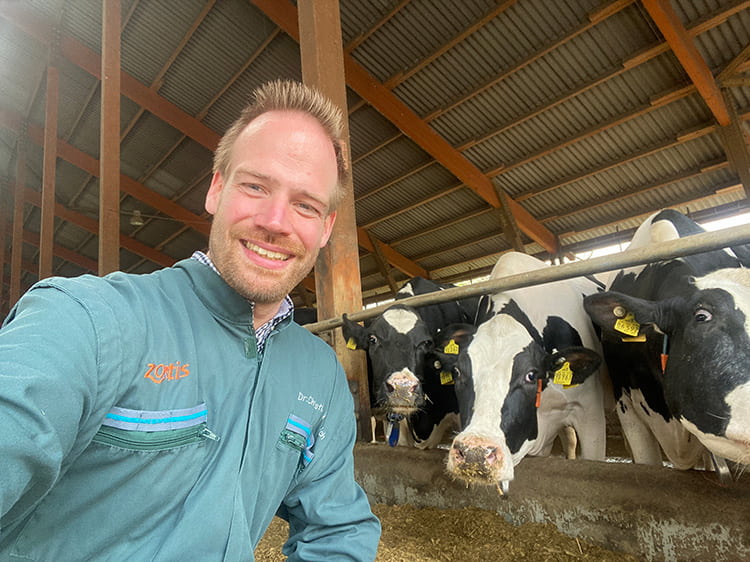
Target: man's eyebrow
254,175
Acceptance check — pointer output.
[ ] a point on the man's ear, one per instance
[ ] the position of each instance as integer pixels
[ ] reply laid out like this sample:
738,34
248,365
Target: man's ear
214,193
327,228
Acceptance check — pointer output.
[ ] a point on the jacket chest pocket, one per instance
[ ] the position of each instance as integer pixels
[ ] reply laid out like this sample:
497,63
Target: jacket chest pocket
153,440
154,430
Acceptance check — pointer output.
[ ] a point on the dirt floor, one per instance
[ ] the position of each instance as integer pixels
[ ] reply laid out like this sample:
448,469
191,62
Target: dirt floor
430,534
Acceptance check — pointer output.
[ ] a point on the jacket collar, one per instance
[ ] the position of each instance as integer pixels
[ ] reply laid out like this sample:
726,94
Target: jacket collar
215,294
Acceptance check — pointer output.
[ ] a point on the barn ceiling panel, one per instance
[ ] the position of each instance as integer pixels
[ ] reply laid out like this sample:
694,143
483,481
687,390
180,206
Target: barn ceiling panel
577,110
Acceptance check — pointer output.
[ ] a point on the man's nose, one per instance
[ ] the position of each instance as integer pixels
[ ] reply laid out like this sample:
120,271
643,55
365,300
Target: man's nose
274,215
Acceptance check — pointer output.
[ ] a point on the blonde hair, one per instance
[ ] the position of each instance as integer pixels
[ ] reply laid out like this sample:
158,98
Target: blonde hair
287,95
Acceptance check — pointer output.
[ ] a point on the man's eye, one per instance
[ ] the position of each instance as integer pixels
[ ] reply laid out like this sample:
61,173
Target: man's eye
308,209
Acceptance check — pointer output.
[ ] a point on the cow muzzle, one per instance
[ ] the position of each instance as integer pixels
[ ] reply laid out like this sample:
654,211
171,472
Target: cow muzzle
479,460
403,392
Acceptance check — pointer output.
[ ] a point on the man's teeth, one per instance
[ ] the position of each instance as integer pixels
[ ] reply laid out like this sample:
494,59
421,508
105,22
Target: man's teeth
266,253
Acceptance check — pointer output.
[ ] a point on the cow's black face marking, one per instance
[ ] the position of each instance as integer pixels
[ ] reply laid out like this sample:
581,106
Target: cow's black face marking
464,387
393,349
709,357
519,421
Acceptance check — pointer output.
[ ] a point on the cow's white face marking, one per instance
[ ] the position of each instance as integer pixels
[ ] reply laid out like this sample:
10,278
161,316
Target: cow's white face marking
407,290
403,321
736,282
739,420
495,344
736,445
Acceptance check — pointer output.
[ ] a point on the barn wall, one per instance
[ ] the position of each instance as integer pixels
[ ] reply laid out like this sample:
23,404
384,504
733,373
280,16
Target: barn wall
651,512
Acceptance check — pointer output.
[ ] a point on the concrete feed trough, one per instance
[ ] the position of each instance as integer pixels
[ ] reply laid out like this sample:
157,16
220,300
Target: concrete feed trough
654,513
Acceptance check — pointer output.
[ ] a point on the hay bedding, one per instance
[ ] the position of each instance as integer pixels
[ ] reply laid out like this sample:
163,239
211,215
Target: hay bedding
472,534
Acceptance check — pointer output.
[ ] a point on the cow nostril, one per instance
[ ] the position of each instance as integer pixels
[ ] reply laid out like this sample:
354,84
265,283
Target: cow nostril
389,387
458,453
491,456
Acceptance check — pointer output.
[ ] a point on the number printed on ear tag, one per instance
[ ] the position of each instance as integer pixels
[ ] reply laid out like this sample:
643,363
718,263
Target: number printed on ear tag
628,325
564,375
451,348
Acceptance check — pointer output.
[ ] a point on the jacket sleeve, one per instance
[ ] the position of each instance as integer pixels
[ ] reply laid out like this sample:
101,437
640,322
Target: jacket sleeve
328,512
49,351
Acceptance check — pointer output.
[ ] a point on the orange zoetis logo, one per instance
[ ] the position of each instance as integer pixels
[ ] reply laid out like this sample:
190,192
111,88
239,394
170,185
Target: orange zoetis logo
161,372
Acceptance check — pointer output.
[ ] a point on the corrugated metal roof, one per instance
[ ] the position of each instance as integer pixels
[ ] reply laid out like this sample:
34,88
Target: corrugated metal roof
578,110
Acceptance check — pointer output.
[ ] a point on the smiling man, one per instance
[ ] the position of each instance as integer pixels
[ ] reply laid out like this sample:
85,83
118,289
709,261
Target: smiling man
272,215
171,415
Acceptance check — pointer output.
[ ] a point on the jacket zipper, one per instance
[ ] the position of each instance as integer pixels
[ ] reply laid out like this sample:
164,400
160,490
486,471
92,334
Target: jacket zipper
156,440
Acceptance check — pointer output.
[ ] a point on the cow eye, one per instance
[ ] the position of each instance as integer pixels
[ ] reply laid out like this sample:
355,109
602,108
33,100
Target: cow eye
373,339
530,377
702,315
426,344
457,372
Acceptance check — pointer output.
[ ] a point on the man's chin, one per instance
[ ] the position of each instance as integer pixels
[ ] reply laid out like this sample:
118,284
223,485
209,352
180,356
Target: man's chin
264,288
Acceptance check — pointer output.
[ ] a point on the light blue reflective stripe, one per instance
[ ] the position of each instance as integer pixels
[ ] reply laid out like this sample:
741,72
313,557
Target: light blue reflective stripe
294,425
155,420
301,427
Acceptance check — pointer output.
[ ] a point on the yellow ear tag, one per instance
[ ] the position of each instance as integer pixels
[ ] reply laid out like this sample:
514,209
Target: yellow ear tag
451,348
637,339
563,375
628,325
446,377
351,344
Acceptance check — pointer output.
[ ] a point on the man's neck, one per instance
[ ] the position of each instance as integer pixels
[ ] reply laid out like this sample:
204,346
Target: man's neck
263,312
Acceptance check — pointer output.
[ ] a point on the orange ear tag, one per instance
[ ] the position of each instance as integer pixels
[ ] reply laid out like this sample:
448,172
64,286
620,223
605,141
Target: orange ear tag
538,392
664,354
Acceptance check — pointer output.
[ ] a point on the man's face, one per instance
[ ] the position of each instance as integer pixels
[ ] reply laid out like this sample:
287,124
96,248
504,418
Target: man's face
271,211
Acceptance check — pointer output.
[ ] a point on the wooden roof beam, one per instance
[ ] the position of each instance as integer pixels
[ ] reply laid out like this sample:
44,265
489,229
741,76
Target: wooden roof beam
284,14
88,60
682,46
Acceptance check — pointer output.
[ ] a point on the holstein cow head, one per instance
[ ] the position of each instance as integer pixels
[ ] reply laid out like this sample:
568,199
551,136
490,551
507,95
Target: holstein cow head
396,343
706,376
499,379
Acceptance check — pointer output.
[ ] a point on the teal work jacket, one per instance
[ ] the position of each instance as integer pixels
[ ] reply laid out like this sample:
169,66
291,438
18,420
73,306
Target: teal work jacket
137,422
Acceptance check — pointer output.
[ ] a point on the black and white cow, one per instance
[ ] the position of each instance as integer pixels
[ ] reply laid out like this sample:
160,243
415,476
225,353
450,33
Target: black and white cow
526,376
695,311
397,343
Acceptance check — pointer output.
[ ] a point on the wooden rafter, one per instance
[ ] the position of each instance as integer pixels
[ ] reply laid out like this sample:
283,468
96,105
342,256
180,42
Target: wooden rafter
684,49
285,16
146,97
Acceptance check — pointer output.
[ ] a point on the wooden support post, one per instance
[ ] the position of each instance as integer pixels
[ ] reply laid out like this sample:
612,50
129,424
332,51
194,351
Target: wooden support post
109,143
16,252
508,222
337,276
383,265
47,226
733,139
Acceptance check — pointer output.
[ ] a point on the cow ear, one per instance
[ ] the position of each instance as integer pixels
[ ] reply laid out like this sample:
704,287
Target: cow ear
621,314
572,365
354,334
444,364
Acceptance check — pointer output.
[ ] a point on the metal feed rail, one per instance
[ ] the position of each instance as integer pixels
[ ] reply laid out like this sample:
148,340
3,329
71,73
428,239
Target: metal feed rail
695,244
